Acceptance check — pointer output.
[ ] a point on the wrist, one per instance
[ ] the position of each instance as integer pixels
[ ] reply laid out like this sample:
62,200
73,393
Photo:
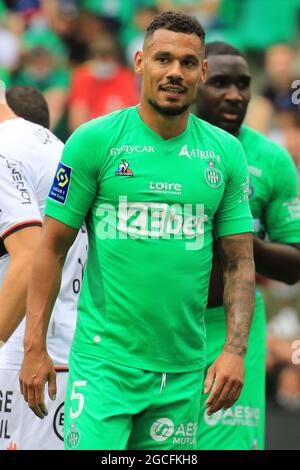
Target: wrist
34,345
240,350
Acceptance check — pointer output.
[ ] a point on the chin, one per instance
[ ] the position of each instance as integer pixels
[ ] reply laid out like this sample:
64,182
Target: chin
169,109
231,127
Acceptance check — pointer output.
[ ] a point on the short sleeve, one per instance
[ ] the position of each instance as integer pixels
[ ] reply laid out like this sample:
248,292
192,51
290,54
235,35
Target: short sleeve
18,206
234,215
76,179
282,217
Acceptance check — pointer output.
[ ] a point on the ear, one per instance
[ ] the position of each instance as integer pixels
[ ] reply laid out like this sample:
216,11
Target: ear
138,63
204,71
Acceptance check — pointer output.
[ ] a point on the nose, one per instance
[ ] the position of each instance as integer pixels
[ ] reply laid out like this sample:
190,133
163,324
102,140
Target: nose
174,71
233,93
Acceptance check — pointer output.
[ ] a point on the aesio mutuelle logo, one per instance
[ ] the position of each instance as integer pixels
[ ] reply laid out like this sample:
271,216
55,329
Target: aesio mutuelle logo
236,416
163,429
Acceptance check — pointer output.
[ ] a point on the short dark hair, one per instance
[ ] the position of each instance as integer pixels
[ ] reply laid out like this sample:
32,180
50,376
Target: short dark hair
29,103
177,22
221,48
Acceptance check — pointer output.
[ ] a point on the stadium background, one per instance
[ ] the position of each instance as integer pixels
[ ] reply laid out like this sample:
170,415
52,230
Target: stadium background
79,54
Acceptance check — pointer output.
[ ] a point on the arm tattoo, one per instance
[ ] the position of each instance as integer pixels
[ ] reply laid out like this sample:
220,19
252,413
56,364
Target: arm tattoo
239,285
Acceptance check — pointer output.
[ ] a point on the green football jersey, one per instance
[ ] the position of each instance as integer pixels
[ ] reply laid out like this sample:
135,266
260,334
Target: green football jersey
274,187
151,206
273,197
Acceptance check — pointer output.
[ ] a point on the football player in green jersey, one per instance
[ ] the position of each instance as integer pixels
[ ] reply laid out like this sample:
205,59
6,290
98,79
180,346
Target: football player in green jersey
153,183
273,192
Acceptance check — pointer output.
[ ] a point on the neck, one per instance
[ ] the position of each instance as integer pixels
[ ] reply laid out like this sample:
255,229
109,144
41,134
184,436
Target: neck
165,126
6,113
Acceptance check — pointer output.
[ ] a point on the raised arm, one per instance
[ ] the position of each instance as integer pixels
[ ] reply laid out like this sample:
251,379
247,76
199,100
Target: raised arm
225,377
44,285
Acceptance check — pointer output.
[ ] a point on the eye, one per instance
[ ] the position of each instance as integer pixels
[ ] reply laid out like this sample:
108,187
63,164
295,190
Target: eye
189,63
218,82
162,60
243,84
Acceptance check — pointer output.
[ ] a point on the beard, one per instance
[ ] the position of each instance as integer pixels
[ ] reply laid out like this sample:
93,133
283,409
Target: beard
168,110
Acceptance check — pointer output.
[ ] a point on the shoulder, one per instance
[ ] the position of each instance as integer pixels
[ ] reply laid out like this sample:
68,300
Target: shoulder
104,126
264,146
95,137
24,140
216,135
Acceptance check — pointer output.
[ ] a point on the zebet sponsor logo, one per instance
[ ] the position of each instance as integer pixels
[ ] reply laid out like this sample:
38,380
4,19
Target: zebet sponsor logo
164,429
129,149
152,220
198,153
235,416
165,188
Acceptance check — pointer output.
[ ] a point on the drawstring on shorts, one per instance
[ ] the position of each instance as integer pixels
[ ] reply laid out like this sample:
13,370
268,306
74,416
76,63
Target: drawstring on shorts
163,381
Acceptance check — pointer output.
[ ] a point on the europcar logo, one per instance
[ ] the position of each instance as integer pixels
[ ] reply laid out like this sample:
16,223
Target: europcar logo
130,149
61,183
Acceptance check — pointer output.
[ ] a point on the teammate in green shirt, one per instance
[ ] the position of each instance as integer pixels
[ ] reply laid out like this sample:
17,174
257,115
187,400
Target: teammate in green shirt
273,193
152,182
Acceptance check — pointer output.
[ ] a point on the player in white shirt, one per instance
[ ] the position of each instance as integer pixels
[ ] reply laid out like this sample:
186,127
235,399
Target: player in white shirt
29,154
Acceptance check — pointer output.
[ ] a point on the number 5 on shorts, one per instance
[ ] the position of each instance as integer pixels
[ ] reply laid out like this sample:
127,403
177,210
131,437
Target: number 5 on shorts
77,396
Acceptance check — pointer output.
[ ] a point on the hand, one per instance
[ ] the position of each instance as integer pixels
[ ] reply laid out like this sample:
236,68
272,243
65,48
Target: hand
36,370
224,381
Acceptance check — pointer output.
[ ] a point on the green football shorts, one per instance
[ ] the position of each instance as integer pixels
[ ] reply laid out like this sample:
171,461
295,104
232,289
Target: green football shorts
114,407
241,427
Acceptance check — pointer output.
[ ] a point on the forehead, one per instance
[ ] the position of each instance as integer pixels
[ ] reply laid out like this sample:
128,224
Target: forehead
174,43
229,65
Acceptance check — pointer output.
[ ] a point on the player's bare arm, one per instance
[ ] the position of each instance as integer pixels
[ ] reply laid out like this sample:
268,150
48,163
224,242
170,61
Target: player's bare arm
20,245
277,261
44,285
225,377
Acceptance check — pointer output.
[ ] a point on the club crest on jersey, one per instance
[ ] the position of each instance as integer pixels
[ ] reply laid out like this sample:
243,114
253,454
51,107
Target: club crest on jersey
73,437
123,169
213,176
61,183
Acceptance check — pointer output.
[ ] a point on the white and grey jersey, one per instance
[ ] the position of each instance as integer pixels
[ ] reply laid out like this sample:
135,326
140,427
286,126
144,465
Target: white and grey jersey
29,155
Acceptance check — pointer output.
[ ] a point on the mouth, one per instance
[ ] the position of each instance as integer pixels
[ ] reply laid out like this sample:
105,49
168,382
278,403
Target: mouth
172,91
231,116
